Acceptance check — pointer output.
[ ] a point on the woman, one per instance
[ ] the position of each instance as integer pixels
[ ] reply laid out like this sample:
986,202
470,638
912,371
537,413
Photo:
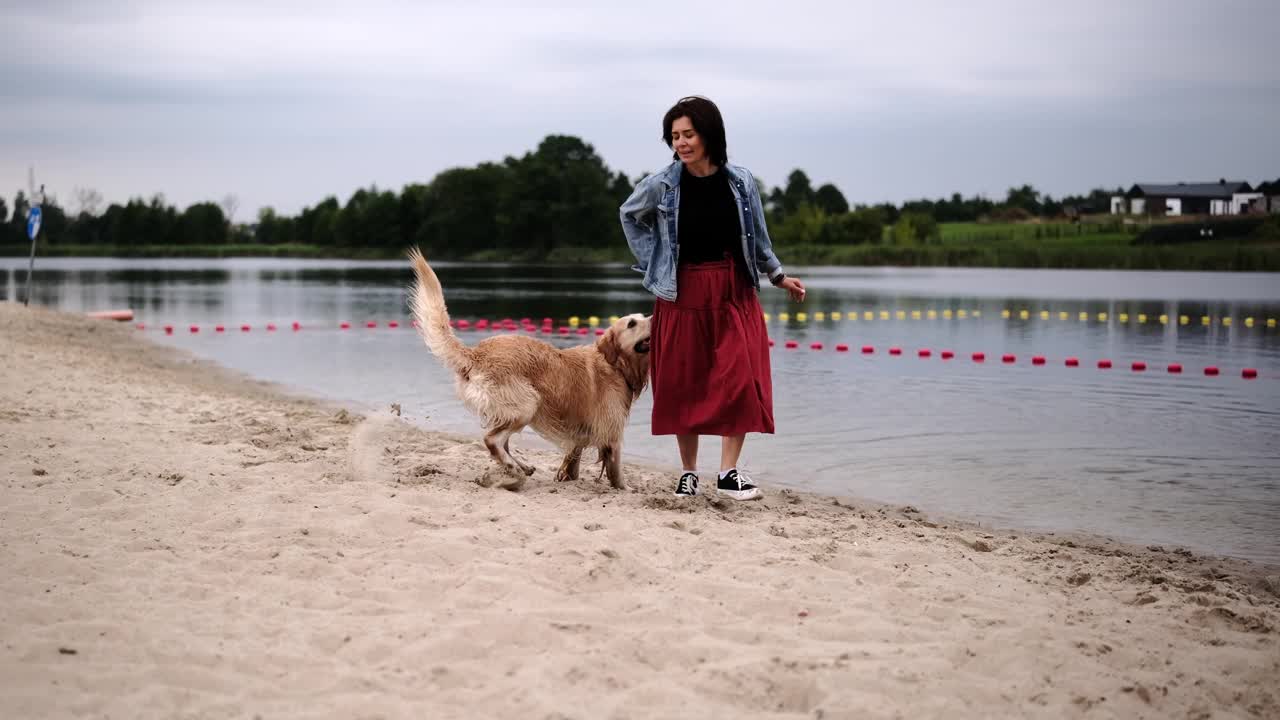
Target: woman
698,233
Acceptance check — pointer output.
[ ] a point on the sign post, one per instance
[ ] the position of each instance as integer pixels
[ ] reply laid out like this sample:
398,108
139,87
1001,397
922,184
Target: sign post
34,217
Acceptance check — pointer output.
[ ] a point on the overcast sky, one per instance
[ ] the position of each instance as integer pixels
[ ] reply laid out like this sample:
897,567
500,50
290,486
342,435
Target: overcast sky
283,103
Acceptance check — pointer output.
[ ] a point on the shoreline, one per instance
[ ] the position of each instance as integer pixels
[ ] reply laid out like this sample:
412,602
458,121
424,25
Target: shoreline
1233,257
184,539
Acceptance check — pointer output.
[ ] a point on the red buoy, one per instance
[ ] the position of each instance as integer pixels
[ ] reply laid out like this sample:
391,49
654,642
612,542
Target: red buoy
770,342
1138,366
195,328
393,324
297,326
1073,362
815,346
868,349
142,326
947,354
168,329
564,329
979,357
219,328
583,330
1249,373
895,351
1175,368
271,327
925,352
842,348
1104,364
1007,357
1211,370
600,331
1037,359
347,325
482,324
792,344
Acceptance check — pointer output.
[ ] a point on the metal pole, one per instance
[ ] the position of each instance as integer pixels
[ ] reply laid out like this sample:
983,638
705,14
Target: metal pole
31,263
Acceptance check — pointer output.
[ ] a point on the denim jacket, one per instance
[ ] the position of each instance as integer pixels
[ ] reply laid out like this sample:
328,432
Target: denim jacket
651,215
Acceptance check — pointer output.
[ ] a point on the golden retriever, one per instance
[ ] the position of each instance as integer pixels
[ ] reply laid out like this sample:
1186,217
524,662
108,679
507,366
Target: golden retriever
577,397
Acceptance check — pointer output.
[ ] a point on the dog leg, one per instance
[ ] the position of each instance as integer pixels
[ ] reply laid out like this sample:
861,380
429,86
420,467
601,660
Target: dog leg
569,466
526,467
496,440
611,458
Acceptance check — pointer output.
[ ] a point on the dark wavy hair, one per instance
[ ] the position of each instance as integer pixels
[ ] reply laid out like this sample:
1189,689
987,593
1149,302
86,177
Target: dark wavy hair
706,119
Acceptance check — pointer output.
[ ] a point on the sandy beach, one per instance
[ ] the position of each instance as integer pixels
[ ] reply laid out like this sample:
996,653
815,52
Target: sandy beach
180,541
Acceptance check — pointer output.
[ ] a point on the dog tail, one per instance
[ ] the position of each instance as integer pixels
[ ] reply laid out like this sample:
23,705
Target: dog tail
427,302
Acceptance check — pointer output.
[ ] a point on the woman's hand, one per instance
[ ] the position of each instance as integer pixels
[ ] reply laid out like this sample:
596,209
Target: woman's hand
794,288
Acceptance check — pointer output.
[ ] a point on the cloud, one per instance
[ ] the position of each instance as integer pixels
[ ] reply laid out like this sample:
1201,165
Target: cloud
285,102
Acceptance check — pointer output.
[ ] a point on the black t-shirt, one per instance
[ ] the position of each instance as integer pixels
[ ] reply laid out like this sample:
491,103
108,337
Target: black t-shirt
709,225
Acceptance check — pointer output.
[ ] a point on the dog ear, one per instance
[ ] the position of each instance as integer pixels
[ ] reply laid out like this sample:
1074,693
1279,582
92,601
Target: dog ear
607,346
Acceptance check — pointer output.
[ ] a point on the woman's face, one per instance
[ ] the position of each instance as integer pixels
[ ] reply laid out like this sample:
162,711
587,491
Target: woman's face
687,142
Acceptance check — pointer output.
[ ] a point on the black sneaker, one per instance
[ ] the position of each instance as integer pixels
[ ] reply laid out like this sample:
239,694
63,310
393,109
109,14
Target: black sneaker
738,486
687,486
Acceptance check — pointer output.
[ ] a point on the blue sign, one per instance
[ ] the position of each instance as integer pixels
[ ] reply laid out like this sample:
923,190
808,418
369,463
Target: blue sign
33,222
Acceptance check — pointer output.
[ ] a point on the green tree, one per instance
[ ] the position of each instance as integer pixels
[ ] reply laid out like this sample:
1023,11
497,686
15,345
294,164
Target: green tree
799,192
1024,198
830,200
201,224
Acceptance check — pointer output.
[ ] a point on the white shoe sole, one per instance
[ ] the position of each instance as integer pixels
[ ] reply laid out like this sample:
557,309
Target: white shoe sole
752,494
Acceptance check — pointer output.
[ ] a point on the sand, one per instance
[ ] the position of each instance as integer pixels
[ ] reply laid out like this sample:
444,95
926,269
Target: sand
179,541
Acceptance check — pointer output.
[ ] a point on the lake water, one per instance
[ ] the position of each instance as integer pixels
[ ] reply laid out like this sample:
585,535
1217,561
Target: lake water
1150,456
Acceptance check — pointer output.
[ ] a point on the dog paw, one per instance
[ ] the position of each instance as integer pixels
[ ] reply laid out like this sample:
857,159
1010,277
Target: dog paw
529,470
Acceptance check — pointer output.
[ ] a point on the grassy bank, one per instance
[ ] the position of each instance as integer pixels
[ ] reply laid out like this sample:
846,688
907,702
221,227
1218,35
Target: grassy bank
1011,245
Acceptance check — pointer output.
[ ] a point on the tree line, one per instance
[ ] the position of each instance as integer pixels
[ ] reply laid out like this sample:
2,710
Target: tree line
559,197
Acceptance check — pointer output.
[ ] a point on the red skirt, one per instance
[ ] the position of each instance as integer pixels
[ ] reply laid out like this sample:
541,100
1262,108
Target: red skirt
709,362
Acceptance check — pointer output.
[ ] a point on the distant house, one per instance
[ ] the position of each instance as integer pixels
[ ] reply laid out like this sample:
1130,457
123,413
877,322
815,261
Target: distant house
1270,200
1225,197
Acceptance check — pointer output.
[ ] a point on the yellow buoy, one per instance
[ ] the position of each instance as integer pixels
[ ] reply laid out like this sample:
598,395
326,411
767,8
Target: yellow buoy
784,316
915,314
977,313
1063,315
613,319
574,321
1044,314
1142,317
868,315
819,316
902,314
1226,321
884,314
1183,319
1023,314
1124,317
593,321
1271,322
1248,322
947,314
1084,316
802,317
932,314
1164,319
1204,319
766,317
1004,314
960,314
1102,317
836,315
